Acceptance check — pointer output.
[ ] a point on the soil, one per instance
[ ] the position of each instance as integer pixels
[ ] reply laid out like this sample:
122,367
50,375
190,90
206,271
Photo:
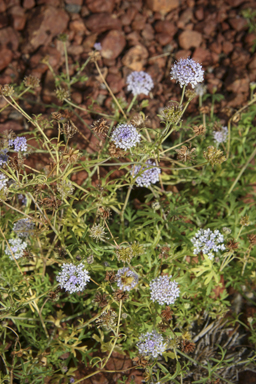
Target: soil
136,35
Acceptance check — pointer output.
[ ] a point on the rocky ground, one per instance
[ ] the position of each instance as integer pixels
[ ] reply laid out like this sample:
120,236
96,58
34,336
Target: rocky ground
135,35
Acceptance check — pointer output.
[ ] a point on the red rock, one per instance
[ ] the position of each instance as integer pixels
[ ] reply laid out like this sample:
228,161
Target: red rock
45,23
2,6
190,39
163,39
77,26
11,3
54,3
5,58
9,37
185,18
166,27
202,56
240,57
116,83
237,100
224,26
216,48
28,4
135,58
182,54
163,6
11,126
250,39
113,44
235,3
99,6
227,47
75,50
75,2
102,22
133,38
18,17
209,29
129,15
77,97
148,32
199,13
89,42
53,55
109,62
239,85
252,63
214,85
222,14
230,35
238,23
139,22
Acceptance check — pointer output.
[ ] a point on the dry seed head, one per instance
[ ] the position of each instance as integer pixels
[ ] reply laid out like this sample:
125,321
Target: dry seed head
252,239
95,55
214,156
172,113
205,109
115,151
217,126
188,346
228,111
104,212
199,130
236,118
63,37
139,120
69,129
65,188
107,319
190,94
184,154
31,81
101,127
232,245
71,156
6,90
62,94
120,295
101,299
57,116
167,313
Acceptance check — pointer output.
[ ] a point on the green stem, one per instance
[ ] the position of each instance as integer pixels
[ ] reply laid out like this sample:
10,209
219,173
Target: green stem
182,95
66,63
124,207
132,102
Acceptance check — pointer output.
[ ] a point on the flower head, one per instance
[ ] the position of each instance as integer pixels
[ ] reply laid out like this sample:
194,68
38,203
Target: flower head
125,136
24,227
22,198
17,246
139,82
187,71
149,175
151,344
200,89
208,242
20,144
3,157
97,46
97,232
164,291
73,278
3,182
221,136
126,279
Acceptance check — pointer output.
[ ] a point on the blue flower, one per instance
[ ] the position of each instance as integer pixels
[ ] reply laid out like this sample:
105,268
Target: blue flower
149,175
208,242
73,278
3,157
139,82
125,136
126,279
187,71
20,144
164,291
24,227
97,46
221,136
3,182
151,344
18,247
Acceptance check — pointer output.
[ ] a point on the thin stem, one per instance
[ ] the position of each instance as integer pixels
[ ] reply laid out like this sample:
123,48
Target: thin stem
124,207
175,146
111,234
66,63
18,97
132,102
242,171
111,93
182,95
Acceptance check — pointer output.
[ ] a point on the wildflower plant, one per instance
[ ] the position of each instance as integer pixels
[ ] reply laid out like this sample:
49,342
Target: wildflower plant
78,283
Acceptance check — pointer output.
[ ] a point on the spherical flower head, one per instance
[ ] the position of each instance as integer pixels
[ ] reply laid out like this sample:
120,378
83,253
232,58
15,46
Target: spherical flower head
24,228
139,82
221,136
208,242
125,136
97,46
3,181
20,144
126,279
200,89
149,175
17,246
151,344
73,278
23,199
164,291
3,157
187,71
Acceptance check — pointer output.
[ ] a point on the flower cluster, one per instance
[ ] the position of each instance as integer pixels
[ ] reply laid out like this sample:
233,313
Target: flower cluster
126,279
164,291
125,136
149,175
139,82
187,71
17,246
208,242
20,144
3,157
151,344
24,227
221,136
73,278
97,232
3,181
22,198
